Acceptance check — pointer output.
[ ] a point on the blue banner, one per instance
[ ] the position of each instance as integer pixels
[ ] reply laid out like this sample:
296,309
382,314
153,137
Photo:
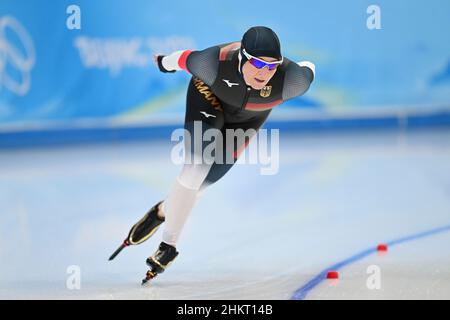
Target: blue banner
82,61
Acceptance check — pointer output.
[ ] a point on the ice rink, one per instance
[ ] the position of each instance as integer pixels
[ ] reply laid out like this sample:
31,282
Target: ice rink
337,195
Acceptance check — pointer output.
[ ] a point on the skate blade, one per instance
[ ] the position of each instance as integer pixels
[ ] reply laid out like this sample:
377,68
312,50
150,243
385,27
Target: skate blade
122,246
149,276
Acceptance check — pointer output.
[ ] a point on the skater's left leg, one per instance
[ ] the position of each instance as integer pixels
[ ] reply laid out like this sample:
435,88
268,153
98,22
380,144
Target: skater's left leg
196,177
234,148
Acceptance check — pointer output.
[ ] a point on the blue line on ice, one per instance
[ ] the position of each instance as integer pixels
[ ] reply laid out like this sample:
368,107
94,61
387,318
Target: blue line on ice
302,292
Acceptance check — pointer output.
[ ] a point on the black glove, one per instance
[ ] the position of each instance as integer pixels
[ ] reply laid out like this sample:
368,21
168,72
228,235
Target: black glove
161,67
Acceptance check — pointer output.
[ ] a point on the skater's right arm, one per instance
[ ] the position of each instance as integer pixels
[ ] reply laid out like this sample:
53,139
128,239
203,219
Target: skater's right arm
202,64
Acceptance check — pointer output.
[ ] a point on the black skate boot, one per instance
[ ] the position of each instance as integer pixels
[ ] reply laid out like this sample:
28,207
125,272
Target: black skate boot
142,230
162,258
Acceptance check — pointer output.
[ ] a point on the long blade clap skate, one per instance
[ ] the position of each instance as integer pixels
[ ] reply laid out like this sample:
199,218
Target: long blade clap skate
122,246
142,230
162,258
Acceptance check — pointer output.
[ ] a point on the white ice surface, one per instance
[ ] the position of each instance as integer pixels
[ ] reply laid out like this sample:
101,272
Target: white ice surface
250,237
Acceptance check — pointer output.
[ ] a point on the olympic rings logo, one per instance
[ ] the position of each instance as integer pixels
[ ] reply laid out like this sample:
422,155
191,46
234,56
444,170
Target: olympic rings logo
21,60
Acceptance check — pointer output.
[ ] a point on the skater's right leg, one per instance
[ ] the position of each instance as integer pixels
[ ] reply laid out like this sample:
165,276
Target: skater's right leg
203,112
202,107
176,209
181,200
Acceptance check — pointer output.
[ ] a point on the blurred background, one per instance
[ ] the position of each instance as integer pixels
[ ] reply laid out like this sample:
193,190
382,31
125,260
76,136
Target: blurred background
102,75
85,125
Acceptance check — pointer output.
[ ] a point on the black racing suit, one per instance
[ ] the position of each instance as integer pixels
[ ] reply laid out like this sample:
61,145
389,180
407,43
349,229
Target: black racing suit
219,97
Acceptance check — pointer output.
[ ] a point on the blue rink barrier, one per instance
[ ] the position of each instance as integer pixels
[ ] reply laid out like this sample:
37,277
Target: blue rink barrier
73,134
